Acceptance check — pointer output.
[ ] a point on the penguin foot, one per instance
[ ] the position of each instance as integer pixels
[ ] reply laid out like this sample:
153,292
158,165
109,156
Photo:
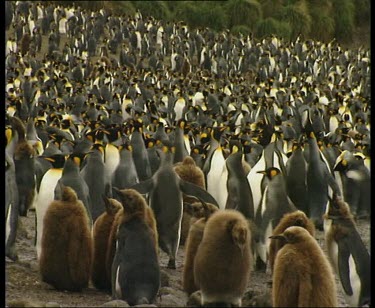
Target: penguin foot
12,254
172,264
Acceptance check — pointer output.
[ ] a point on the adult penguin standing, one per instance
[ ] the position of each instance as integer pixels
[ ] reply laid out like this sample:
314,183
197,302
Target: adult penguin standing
165,190
125,174
240,197
274,204
71,177
318,179
140,156
215,168
93,173
46,194
296,169
347,253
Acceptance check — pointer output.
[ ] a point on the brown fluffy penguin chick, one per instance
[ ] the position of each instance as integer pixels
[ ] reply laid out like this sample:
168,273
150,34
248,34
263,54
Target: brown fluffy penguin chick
101,230
223,261
297,218
66,254
302,275
190,172
201,211
133,204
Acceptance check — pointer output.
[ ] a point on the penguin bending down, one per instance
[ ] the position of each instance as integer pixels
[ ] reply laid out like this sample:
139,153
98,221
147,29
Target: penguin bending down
296,218
194,238
135,267
165,190
101,232
66,253
226,241
347,253
302,275
125,195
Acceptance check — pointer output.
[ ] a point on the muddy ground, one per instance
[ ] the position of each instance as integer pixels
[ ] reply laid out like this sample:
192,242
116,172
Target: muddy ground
23,281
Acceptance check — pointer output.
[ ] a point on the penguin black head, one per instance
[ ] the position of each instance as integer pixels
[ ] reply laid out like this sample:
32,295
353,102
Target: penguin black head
57,160
270,172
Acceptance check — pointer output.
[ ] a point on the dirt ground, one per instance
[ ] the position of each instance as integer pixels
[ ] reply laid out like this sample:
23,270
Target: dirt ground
23,281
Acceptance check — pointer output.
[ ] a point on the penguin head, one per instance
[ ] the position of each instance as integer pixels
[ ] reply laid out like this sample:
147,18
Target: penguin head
343,161
68,193
132,201
293,235
270,172
112,206
337,209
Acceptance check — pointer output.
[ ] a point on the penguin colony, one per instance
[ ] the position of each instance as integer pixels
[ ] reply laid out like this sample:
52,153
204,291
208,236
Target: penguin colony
117,105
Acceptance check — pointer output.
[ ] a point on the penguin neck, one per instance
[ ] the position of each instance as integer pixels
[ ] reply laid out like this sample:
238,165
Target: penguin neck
167,159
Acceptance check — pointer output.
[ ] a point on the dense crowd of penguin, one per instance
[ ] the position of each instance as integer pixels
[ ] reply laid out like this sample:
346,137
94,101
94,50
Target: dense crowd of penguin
139,134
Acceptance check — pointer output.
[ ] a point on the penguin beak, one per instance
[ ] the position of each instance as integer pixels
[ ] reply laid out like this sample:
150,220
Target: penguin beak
262,172
278,237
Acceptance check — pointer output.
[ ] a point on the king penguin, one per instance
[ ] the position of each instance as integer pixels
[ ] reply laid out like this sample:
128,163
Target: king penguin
11,208
71,177
240,196
296,168
356,182
23,156
180,143
215,168
125,174
165,190
302,276
93,173
274,204
318,179
140,156
46,194
347,253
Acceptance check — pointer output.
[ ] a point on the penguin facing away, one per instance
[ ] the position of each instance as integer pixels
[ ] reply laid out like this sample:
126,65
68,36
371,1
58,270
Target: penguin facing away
126,196
226,240
274,204
347,253
93,172
66,229
239,191
302,276
296,218
101,232
194,238
71,177
165,190
188,171
135,267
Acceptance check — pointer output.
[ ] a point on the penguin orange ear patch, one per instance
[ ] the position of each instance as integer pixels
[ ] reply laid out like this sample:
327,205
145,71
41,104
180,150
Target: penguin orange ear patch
273,173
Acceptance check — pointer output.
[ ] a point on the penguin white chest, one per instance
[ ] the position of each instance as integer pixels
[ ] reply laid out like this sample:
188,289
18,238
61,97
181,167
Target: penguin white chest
7,228
355,282
117,283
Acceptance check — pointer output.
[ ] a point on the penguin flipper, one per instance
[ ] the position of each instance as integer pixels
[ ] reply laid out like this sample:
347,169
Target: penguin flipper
343,266
144,187
196,191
